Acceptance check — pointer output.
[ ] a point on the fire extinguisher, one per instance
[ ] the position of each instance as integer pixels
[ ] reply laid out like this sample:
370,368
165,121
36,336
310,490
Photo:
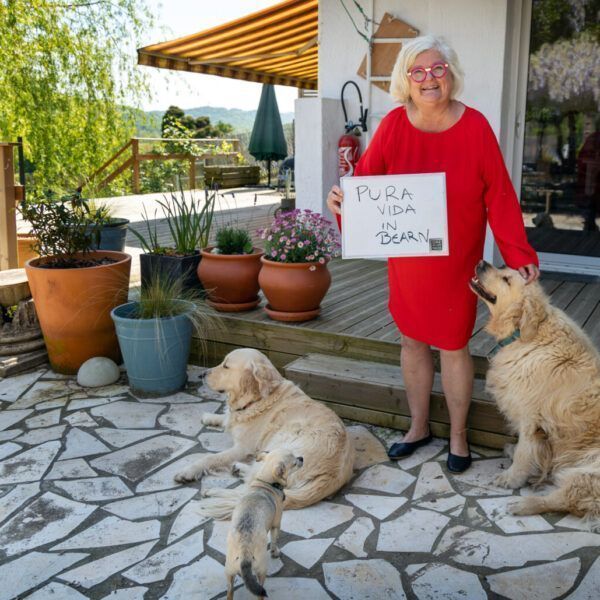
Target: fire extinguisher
349,143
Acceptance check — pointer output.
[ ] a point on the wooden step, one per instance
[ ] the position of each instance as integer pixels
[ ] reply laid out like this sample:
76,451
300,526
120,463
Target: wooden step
374,392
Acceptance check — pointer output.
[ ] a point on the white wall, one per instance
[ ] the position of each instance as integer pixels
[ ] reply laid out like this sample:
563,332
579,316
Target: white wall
475,28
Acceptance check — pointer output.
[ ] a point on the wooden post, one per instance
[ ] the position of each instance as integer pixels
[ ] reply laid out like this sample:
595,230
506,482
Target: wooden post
135,147
192,172
8,218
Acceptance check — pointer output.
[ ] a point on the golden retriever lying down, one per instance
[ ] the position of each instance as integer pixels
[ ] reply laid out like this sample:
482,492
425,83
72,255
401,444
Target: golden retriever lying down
547,384
268,412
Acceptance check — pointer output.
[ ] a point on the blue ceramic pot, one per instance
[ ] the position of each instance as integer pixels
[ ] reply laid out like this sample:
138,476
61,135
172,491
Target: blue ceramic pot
112,235
155,351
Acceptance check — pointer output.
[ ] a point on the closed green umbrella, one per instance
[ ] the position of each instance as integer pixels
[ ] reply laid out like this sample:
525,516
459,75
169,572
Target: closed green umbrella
267,141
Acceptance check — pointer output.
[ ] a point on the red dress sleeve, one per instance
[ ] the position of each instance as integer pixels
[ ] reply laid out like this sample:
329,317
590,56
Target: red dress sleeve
503,210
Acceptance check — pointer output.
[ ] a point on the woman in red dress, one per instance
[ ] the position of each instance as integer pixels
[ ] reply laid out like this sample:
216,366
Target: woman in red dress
430,299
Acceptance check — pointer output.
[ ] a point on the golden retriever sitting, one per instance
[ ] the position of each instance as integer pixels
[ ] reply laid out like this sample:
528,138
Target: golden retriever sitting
546,381
267,412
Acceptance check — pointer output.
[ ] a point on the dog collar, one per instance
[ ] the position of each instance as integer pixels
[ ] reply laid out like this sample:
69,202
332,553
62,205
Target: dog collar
513,337
274,485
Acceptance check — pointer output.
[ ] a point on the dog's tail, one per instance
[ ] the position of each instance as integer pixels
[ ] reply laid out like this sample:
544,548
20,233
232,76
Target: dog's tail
311,491
250,579
221,503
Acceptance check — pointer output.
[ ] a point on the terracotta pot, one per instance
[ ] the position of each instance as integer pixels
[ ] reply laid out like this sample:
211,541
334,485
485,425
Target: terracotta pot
24,250
73,307
294,290
231,280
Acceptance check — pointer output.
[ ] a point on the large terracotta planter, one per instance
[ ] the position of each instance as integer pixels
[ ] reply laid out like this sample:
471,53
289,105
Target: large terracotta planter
73,307
231,280
294,290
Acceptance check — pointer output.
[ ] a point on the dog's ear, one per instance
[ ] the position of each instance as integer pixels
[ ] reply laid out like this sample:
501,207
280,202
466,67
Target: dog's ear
267,378
533,312
249,389
280,471
261,456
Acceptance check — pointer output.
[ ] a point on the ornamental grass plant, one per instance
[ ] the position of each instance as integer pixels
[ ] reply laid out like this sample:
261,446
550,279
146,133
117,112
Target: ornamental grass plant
300,236
232,240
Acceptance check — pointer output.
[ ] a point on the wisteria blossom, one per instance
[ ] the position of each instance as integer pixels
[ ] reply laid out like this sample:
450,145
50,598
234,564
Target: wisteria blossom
300,236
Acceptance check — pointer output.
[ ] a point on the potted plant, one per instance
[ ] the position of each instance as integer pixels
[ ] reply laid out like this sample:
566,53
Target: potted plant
73,288
294,275
155,334
111,231
229,271
189,223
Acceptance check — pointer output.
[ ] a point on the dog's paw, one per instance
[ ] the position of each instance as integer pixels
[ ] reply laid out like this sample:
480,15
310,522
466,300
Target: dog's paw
275,553
187,476
522,507
509,480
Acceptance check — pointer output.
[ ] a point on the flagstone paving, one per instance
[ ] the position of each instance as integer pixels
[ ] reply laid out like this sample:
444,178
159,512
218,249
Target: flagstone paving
89,510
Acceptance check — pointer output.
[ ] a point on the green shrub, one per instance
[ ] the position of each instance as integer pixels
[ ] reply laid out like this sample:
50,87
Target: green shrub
231,240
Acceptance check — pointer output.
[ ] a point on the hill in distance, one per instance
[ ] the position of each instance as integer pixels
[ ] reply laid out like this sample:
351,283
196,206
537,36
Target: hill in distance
148,123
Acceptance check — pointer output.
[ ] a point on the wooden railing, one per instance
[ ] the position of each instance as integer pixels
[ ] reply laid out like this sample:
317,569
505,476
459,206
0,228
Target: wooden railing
10,194
133,155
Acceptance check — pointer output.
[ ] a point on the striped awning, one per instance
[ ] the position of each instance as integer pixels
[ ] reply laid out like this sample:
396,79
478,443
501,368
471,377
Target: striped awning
277,45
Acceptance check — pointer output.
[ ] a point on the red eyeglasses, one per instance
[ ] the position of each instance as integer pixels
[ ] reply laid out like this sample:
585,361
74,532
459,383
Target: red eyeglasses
419,74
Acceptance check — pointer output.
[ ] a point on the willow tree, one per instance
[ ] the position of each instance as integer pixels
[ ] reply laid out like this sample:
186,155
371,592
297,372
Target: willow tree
67,69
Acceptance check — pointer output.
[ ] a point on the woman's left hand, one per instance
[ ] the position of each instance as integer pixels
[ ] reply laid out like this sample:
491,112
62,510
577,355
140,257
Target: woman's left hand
530,273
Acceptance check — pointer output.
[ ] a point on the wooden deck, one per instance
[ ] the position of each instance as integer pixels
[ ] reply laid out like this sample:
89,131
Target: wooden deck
355,321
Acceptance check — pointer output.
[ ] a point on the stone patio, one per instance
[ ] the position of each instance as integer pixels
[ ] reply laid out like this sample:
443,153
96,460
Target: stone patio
89,509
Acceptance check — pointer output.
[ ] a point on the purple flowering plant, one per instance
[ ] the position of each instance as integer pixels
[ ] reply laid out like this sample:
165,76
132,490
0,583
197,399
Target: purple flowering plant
300,236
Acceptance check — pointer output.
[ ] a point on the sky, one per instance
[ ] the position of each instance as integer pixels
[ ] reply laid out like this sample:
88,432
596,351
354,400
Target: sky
176,18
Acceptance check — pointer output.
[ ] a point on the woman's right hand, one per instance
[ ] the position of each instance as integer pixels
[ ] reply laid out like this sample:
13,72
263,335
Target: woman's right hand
335,199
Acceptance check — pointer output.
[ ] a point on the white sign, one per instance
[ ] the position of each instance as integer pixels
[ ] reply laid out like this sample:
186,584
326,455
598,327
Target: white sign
394,215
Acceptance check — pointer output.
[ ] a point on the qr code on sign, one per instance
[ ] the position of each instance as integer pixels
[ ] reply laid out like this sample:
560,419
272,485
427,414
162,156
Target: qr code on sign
436,244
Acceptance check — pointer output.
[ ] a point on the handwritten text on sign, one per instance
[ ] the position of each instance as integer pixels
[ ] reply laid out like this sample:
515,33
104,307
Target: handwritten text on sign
394,215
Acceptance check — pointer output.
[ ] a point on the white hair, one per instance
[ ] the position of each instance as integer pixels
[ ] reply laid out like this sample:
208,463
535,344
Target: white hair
400,85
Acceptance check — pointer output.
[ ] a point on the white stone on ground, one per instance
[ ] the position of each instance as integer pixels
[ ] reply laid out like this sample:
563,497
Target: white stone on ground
188,518
381,507
49,518
573,522
451,504
538,490
39,436
29,465
589,585
96,571
353,539
202,579
134,462
363,580
307,553
422,454
187,418
542,582
496,509
80,419
218,537
368,449
96,489
214,441
57,591
56,403
31,569
129,415
132,593
79,443
164,478
209,394
195,373
431,481
13,387
42,391
124,437
98,371
437,581
210,482
384,479
73,468
482,548
414,531
478,479
9,449
46,419
10,434
315,520
110,391
289,588
157,566
178,398
112,531
158,504
85,403
10,417
16,497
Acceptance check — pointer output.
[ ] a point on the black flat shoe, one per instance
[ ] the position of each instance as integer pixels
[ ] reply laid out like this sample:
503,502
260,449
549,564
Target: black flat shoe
458,464
402,449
